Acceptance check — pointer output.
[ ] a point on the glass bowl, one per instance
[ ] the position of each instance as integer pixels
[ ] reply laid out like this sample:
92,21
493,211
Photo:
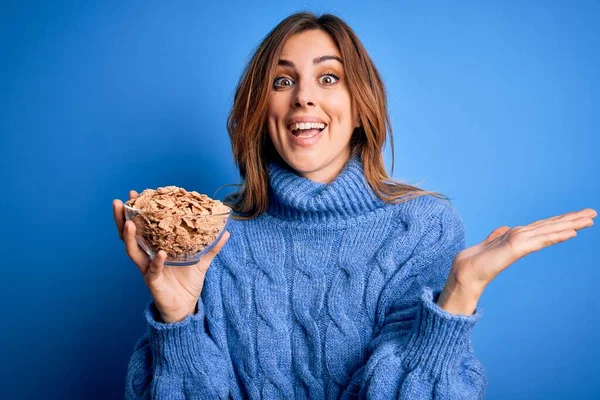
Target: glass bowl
185,240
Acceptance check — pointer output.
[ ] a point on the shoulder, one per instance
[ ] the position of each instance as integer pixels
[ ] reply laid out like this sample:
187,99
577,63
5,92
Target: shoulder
432,220
428,208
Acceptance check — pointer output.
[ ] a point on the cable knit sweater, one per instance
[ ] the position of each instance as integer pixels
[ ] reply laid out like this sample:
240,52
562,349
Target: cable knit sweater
330,294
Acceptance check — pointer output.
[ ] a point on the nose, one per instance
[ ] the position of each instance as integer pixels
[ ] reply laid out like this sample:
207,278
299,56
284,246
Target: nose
304,96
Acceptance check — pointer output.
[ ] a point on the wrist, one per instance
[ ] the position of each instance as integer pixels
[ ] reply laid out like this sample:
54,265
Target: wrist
458,298
178,317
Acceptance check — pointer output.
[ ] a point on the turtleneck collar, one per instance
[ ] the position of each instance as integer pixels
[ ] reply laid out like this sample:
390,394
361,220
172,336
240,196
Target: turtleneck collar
293,197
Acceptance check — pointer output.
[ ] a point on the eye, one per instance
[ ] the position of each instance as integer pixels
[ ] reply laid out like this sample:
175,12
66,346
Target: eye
281,79
330,75
331,79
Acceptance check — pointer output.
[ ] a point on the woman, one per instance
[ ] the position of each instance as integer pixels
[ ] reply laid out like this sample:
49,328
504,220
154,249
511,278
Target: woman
336,281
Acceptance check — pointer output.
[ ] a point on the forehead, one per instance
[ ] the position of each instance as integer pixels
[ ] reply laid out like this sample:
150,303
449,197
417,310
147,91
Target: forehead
309,44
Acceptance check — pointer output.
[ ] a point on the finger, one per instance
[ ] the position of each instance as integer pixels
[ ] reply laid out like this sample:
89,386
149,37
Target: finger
154,273
119,216
119,212
587,212
133,249
548,239
548,235
561,225
204,263
520,246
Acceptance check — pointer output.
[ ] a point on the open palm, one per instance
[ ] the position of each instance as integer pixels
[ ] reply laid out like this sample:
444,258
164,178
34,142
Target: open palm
478,265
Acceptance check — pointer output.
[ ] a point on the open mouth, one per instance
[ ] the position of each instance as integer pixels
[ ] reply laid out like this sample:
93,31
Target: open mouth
309,132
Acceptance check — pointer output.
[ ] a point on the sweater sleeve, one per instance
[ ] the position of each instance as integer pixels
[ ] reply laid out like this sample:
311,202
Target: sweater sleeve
177,361
419,350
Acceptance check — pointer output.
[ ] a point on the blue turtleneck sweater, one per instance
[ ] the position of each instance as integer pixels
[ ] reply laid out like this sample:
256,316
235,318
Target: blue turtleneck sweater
329,294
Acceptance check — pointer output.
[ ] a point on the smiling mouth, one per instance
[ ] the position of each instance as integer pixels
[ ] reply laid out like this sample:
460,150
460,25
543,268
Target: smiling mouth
306,132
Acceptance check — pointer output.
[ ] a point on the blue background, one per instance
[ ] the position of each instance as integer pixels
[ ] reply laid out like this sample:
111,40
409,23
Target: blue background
494,104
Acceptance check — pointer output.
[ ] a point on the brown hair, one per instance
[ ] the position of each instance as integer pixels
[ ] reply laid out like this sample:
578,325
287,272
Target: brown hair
251,144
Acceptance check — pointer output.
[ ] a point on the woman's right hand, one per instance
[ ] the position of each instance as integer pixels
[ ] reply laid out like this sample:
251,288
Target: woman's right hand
175,290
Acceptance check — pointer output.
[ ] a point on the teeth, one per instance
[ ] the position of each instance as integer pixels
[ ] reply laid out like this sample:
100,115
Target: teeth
306,125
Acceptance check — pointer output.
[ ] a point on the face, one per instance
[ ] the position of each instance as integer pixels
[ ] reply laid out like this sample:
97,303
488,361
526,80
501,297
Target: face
310,86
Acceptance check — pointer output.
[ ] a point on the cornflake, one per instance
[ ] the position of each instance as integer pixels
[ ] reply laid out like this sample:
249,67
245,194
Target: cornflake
177,221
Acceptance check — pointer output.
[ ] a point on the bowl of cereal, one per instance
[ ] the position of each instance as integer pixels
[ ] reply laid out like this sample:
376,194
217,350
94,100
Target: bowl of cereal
186,225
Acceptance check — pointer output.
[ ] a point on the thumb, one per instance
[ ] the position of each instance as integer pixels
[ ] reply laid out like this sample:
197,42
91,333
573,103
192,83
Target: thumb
155,269
222,242
497,233
205,261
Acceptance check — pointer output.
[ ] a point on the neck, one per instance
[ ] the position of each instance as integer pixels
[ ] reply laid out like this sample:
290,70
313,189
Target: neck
331,171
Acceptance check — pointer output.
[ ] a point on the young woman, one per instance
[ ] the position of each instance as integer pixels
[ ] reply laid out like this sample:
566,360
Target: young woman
333,280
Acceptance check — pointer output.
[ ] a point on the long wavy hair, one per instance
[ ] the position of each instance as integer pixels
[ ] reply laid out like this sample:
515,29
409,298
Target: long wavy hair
248,132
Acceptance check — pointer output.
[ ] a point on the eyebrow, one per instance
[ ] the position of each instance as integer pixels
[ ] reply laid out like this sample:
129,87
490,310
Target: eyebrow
318,60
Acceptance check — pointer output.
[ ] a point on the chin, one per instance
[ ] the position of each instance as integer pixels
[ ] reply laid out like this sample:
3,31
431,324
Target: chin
304,163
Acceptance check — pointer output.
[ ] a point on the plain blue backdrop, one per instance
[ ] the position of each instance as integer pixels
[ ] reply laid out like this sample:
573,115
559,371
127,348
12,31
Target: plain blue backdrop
494,104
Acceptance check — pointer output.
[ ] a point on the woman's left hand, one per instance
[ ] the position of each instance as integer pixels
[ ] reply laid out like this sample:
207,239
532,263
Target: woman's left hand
475,267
